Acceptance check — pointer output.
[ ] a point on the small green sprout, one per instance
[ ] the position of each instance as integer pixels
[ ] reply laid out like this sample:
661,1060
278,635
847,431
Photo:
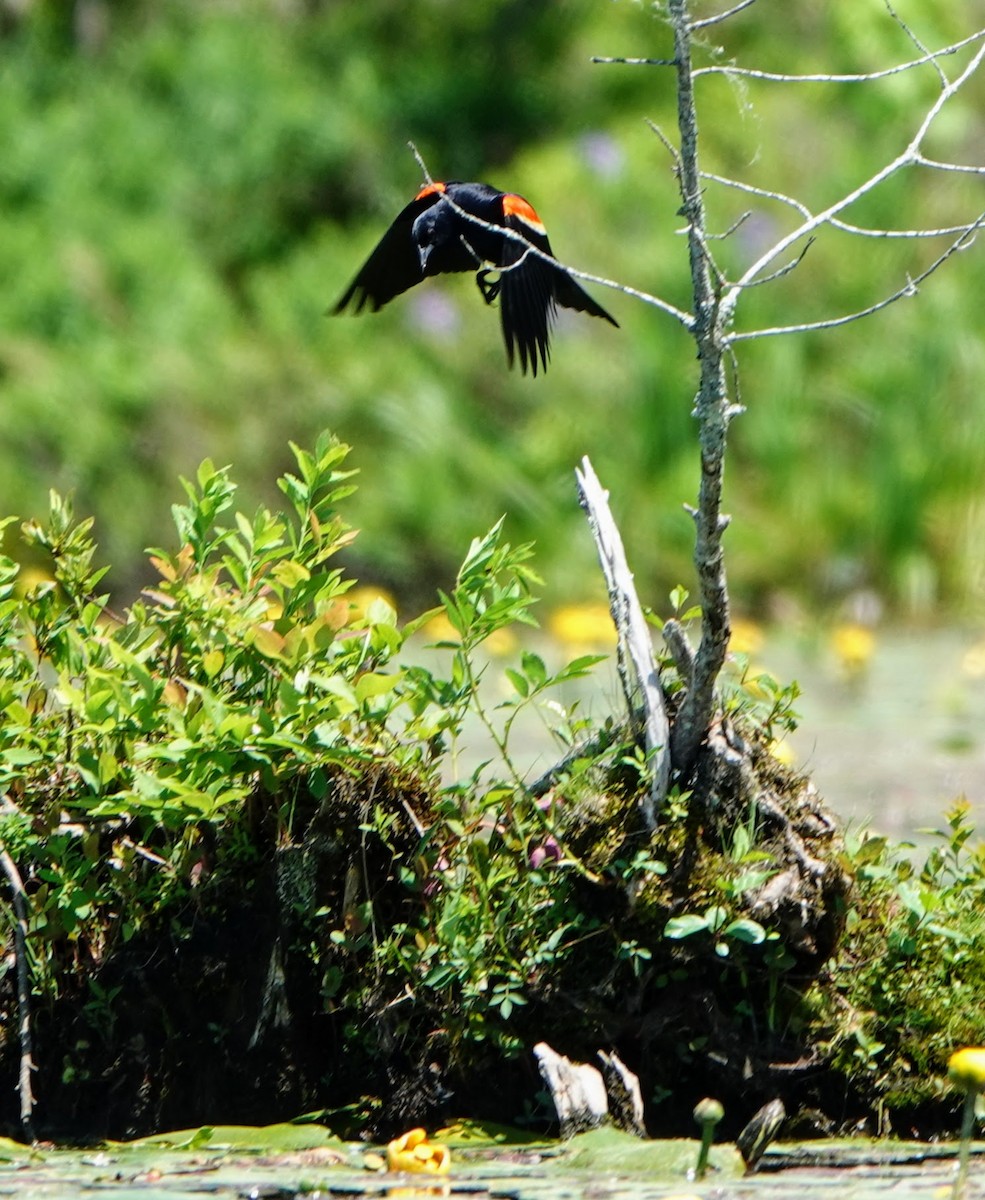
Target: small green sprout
707,1113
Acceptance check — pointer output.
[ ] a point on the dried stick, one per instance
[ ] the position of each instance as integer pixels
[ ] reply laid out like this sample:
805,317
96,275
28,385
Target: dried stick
637,666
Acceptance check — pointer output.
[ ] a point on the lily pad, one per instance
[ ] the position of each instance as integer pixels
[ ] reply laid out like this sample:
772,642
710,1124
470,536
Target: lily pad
610,1151
256,1138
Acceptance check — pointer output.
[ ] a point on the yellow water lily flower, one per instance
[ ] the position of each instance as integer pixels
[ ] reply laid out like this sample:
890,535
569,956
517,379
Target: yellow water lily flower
966,1068
413,1152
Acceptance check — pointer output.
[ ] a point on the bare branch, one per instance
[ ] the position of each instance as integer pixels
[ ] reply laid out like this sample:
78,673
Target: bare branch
835,222
727,233
766,193
633,62
781,271
421,163
716,272
921,160
908,234
908,289
681,650
695,25
860,77
946,94
915,40
668,144
908,157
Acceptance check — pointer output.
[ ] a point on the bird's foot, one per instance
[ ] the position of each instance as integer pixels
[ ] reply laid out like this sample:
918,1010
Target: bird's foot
488,287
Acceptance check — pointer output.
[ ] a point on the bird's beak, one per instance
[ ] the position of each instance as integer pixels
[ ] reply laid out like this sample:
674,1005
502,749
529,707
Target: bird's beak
425,253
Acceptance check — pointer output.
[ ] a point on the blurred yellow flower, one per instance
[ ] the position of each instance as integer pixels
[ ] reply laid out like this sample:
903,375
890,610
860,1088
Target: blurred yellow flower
31,577
973,662
853,646
582,625
783,752
361,599
440,629
499,643
747,637
413,1152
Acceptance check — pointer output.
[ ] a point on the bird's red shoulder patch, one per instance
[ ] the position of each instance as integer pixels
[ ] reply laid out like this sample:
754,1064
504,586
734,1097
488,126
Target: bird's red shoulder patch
516,206
431,189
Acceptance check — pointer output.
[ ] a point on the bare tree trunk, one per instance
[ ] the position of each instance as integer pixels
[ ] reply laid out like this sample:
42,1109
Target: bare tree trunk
713,412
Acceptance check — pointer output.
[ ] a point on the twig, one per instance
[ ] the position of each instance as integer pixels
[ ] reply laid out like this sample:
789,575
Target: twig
22,916
909,234
740,185
767,193
916,41
724,16
637,666
781,271
733,228
667,143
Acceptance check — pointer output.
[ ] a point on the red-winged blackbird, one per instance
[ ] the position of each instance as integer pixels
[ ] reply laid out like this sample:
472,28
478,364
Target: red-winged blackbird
430,237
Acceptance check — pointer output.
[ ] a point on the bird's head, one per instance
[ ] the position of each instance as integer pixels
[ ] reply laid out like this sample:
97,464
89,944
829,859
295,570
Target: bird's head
433,229
427,234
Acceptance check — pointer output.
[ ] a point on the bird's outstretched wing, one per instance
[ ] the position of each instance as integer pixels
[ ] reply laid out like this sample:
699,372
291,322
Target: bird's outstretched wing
531,289
395,264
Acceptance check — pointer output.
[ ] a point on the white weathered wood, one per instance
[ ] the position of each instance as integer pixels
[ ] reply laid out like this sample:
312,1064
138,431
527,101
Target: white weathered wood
577,1089
637,665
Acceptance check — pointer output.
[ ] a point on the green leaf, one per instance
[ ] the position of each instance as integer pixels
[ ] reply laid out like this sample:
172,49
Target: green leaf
520,684
371,684
685,926
534,668
746,930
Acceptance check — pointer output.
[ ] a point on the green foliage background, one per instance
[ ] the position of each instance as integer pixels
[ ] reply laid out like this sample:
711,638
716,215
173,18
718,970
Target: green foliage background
186,187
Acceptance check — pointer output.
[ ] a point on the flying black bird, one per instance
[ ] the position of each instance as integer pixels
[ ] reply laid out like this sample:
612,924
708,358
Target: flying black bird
431,237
